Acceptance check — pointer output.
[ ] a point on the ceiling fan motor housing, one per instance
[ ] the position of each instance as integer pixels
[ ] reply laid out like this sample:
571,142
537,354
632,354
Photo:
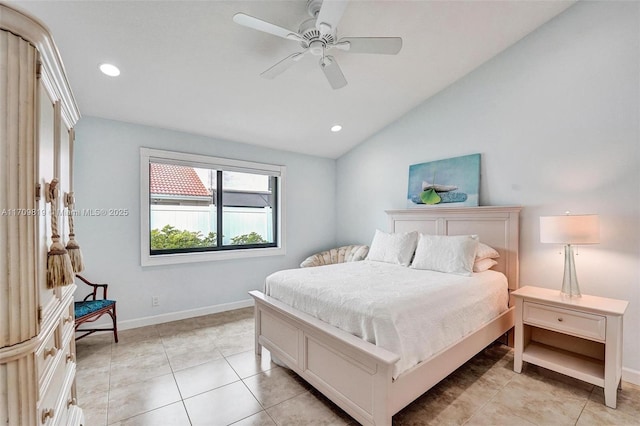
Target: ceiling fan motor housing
314,39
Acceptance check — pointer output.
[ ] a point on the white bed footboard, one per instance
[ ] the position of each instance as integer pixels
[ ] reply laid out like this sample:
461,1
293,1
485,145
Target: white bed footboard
354,374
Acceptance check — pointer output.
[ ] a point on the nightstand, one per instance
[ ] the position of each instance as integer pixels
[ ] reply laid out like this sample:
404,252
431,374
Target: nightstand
579,337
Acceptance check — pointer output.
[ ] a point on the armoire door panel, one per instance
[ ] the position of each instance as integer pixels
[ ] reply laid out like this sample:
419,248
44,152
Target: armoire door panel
46,173
63,175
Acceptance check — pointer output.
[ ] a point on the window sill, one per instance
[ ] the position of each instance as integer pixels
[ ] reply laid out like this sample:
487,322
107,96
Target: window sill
177,258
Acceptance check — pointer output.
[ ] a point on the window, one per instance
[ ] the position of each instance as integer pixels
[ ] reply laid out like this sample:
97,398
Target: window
198,208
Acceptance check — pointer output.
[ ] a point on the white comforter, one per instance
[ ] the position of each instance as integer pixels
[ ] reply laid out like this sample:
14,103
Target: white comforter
413,313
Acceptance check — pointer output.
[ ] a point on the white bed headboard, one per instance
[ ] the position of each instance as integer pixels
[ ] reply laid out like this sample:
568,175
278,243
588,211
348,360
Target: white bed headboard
495,226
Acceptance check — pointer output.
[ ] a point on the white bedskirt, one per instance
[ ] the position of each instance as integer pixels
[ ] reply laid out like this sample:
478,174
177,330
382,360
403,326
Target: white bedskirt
413,313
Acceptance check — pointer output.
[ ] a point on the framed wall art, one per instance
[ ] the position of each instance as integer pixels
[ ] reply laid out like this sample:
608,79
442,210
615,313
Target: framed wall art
452,182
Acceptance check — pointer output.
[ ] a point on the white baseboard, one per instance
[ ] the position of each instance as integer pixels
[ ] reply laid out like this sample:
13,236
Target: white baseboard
175,316
631,376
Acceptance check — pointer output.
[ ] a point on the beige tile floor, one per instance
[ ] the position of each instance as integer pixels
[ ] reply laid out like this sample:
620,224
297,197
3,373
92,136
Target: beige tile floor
203,371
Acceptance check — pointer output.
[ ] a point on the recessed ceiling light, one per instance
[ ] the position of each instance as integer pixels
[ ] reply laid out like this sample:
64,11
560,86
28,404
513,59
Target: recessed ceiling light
110,70
336,128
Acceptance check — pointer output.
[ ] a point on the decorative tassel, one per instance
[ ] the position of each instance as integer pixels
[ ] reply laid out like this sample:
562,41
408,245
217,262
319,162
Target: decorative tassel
59,268
73,248
75,255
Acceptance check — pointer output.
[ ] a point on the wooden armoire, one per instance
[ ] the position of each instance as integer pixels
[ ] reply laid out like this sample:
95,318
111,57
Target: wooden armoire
37,115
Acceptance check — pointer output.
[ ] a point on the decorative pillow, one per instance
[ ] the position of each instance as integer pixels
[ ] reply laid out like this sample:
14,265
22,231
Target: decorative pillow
393,248
486,252
442,253
352,253
483,264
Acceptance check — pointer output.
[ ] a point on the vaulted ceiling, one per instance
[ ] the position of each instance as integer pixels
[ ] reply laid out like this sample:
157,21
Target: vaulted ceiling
187,66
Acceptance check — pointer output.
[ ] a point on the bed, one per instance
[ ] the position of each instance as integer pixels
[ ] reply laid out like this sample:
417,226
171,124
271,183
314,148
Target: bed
363,378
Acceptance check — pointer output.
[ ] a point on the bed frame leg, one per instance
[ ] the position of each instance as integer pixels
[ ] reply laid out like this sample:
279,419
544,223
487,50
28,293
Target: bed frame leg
258,348
256,316
383,422
381,406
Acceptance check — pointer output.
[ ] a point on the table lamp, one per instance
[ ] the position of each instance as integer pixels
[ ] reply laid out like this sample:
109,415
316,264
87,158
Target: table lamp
570,230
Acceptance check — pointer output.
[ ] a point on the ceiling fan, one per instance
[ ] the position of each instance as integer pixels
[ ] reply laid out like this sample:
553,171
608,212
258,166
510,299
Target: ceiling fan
318,35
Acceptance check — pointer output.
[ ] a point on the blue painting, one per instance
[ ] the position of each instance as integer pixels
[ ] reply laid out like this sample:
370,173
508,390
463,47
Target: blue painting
452,182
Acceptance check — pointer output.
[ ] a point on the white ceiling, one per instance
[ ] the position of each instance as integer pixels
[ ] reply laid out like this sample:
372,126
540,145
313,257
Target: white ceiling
186,66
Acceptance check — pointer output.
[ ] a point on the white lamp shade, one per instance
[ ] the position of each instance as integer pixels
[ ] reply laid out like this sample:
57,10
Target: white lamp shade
570,229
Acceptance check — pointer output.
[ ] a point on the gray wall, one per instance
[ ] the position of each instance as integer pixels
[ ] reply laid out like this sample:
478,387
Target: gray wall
556,119
107,170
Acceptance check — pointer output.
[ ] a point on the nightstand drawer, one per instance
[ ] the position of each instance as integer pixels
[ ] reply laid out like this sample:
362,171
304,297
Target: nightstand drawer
581,324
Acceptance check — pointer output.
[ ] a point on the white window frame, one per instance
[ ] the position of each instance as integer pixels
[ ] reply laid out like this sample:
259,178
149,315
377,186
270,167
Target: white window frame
148,155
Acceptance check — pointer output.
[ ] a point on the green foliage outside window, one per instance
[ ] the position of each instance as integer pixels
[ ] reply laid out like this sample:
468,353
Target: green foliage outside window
252,238
171,238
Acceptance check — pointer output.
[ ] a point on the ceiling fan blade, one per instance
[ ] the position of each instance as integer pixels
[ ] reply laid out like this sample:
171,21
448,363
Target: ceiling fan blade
333,72
282,66
264,26
379,45
329,15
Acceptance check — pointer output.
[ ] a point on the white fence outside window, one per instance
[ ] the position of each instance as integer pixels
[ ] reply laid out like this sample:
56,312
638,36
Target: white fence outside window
236,220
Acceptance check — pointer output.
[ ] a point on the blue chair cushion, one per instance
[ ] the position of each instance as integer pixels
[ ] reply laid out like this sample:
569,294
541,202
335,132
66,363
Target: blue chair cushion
89,306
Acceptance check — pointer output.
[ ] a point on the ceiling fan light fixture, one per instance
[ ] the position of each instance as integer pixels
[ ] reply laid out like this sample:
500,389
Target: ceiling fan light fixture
109,69
316,48
336,128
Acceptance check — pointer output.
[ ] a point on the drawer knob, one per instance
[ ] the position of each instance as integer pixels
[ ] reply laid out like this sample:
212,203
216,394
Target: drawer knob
46,414
560,319
71,401
50,352
71,358
68,319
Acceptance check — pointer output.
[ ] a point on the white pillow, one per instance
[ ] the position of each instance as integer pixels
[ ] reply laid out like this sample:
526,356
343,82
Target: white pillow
393,248
486,252
443,253
483,264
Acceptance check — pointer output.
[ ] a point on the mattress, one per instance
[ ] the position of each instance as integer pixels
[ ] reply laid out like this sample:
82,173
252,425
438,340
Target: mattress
413,313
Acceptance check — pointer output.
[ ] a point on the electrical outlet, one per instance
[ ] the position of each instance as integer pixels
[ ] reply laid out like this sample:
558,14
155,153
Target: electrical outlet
155,301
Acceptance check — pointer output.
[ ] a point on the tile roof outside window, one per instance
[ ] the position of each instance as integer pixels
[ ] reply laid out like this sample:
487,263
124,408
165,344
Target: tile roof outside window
172,179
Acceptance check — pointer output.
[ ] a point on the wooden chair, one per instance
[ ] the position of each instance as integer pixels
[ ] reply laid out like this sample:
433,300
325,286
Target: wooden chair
91,309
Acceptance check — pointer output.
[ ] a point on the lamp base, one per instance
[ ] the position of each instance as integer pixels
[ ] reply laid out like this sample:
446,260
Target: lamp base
570,286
